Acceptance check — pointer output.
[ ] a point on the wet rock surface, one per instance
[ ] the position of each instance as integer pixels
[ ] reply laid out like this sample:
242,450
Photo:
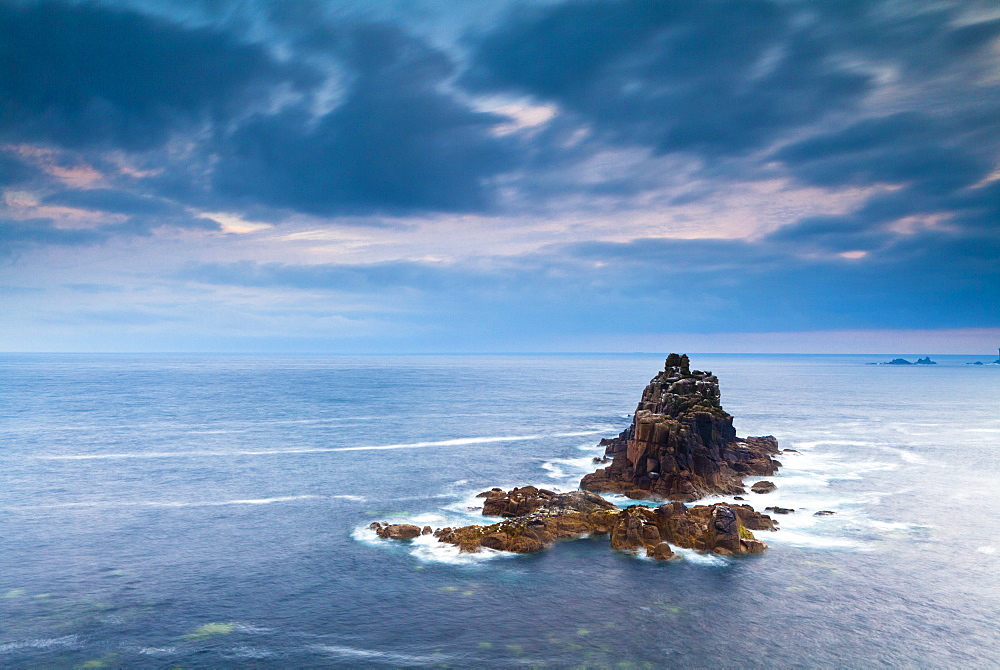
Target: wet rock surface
396,531
681,444
719,528
527,499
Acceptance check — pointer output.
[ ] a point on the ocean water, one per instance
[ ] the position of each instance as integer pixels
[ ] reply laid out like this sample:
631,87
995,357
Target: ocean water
212,512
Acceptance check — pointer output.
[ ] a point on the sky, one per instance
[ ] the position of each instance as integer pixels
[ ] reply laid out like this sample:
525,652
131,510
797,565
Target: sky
500,176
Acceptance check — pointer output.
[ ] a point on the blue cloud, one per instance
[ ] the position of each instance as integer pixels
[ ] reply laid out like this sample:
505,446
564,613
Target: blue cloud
83,75
395,143
16,235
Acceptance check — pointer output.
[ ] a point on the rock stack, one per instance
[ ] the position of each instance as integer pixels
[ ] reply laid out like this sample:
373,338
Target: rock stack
681,444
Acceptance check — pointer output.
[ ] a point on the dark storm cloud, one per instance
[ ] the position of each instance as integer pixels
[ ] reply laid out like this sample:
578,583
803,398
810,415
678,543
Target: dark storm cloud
905,147
82,75
716,78
939,167
252,128
362,118
396,142
295,108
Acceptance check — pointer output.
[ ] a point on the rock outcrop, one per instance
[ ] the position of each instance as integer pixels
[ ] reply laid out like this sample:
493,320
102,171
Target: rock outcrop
720,528
681,444
396,531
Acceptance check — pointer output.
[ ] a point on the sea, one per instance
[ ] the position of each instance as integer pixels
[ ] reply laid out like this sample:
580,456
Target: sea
212,511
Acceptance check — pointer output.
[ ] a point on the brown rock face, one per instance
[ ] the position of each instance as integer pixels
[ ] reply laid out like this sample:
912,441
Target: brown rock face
395,531
517,502
722,529
681,444
527,499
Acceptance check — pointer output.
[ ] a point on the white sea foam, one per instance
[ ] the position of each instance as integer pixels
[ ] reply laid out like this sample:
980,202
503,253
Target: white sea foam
114,504
893,525
149,651
385,656
699,558
987,550
427,548
429,518
248,652
907,456
798,538
562,468
808,445
457,442
67,641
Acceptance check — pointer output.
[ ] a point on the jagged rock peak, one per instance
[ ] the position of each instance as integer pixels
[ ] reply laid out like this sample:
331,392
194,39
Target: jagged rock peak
678,390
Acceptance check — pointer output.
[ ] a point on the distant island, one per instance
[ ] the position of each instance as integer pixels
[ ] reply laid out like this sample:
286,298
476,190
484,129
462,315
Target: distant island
681,446
903,361
996,362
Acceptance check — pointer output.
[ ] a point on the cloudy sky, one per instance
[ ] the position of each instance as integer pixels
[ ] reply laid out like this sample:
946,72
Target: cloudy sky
474,175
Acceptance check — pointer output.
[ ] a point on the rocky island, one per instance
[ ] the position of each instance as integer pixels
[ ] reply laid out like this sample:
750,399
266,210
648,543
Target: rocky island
681,446
903,361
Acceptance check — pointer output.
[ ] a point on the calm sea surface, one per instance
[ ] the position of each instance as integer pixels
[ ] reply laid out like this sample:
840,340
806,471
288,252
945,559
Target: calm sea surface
211,512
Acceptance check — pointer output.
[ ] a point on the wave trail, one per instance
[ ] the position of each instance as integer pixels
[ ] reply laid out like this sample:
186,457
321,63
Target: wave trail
183,503
375,655
457,442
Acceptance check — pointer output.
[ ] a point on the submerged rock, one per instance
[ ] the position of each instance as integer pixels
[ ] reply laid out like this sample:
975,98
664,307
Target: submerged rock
824,512
763,487
681,444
